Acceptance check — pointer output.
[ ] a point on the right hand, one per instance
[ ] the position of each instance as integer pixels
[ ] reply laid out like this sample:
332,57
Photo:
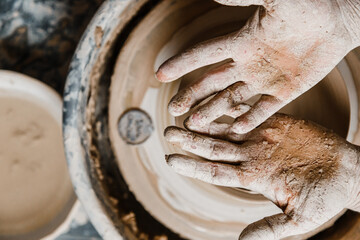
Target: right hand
284,50
309,172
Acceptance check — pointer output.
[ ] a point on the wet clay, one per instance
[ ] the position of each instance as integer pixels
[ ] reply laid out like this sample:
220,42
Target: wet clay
34,182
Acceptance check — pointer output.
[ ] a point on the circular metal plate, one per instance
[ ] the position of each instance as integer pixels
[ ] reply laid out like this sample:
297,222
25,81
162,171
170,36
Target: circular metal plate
135,126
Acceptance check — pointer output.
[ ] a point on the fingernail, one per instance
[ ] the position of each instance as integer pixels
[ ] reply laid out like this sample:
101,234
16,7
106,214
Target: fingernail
181,102
172,134
160,76
176,109
170,160
187,123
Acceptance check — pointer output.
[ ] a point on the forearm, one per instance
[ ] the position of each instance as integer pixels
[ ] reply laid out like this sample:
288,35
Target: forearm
350,12
354,169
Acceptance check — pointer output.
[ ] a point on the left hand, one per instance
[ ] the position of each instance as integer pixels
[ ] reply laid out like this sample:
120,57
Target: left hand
309,172
286,48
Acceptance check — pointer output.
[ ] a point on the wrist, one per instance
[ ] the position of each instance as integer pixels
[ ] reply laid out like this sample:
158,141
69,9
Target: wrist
350,14
354,179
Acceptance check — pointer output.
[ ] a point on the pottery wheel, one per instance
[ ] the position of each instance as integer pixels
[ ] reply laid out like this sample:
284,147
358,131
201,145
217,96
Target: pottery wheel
193,209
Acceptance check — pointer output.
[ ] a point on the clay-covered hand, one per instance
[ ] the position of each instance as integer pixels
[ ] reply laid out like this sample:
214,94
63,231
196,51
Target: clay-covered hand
309,172
284,50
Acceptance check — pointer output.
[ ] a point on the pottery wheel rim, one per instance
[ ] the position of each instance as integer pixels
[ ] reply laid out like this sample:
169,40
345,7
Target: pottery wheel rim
76,93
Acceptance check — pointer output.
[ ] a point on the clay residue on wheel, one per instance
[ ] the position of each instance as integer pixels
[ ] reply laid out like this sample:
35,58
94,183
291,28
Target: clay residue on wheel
125,212
99,33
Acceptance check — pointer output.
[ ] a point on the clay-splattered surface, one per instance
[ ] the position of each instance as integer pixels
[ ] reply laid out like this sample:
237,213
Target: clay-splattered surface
38,37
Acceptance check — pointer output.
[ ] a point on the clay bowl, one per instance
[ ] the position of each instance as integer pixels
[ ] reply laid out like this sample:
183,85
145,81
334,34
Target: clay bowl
124,183
46,211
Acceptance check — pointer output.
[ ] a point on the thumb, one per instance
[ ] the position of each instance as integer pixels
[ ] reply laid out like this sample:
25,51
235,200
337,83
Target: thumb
272,228
241,2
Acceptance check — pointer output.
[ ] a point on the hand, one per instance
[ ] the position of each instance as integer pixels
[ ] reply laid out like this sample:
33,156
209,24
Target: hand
284,50
309,172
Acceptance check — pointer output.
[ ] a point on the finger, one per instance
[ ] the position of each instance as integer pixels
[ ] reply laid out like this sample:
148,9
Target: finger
262,110
223,130
212,82
206,147
241,2
272,228
206,53
221,104
238,110
211,172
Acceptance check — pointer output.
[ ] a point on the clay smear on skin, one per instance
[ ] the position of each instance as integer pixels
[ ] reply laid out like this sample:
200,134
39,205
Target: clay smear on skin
303,152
